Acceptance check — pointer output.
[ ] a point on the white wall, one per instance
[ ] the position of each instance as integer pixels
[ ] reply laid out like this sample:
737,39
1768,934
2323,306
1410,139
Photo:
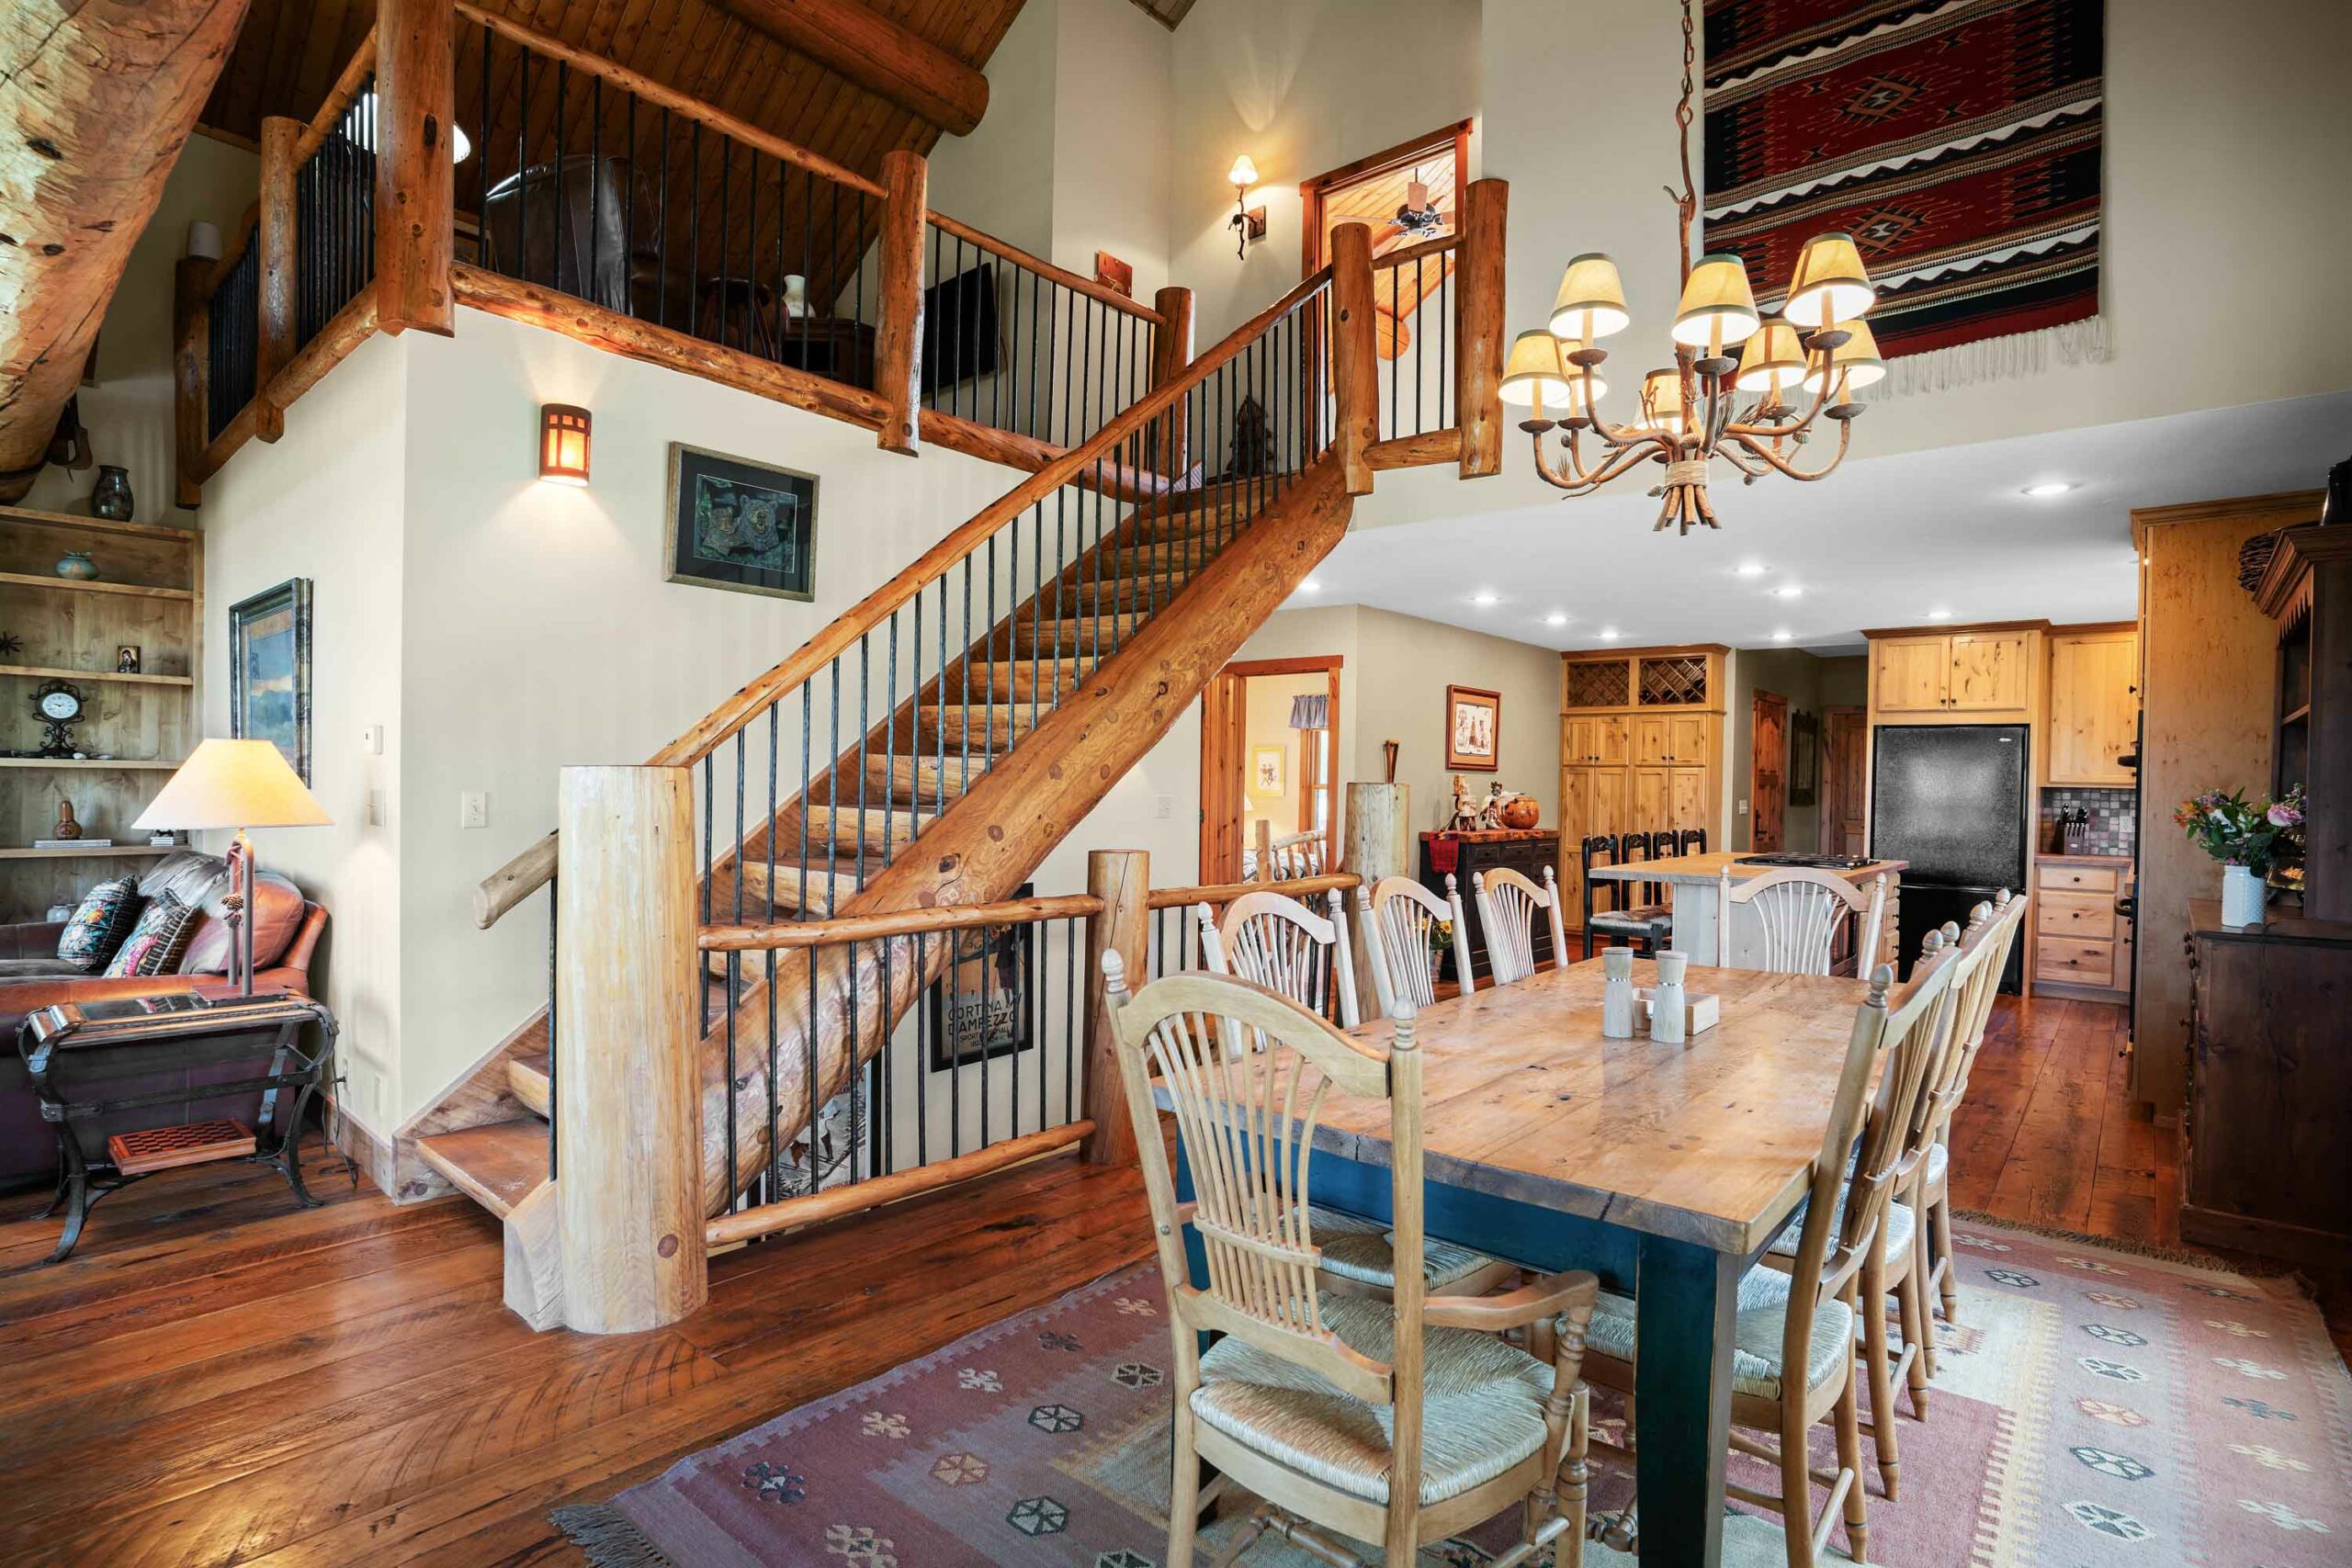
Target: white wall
129,413
1114,92
325,502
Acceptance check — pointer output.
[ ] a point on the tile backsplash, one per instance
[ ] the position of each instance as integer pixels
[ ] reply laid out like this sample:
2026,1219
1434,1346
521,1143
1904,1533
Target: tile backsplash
2113,820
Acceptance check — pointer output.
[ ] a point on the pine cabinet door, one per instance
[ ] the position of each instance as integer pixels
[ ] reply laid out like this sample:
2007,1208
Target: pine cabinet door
1910,674
1652,739
1990,671
1686,741
1687,798
2094,707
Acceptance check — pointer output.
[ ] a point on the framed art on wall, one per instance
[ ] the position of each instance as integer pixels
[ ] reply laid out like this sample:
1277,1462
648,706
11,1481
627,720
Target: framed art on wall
1266,771
270,671
743,525
980,1006
1474,722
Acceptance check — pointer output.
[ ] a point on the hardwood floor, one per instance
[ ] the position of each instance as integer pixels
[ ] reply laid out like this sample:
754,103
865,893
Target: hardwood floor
215,1379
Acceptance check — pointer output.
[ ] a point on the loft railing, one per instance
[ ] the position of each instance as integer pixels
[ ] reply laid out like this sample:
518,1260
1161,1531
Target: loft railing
1412,291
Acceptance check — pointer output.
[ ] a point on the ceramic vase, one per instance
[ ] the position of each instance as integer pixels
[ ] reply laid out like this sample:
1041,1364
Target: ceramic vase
796,297
77,565
1617,993
111,497
2243,896
1670,1009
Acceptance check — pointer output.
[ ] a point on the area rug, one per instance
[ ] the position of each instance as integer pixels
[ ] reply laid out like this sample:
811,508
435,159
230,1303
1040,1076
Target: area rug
2092,1409
1957,140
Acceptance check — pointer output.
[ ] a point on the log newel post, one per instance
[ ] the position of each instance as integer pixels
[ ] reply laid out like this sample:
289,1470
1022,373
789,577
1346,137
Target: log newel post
1355,362
897,340
1171,352
628,1107
1376,845
1479,311
416,109
1264,860
1122,880
276,242
191,365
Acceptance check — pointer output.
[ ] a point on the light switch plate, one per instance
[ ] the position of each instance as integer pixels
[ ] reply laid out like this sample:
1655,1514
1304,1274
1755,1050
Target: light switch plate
371,739
473,809
1164,806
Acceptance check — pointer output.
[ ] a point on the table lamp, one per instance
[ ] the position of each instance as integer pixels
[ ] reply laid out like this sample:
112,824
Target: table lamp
235,784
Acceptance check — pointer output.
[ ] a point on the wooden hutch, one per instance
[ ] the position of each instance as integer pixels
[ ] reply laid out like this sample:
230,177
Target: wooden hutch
1641,747
136,727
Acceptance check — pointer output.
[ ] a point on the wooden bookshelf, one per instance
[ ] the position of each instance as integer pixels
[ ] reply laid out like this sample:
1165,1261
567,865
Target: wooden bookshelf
149,592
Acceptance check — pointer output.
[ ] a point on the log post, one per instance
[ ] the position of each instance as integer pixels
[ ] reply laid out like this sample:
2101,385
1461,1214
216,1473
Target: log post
1480,309
1355,350
1377,842
1122,880
898,342
1264,860
1171,351
276,242
191,364
629,1075
416,99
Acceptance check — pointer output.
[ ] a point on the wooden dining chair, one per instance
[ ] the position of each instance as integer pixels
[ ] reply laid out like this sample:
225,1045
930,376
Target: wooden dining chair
1401,1421
1405,927
1625,918
1507,905
1801,1314
1797,911
1276,941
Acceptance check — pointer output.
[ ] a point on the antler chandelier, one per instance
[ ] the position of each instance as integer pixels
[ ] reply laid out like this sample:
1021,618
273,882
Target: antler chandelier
1686,415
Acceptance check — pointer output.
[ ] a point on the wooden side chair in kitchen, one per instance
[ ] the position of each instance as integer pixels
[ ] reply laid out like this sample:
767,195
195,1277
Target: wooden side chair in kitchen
1796,912
1508,903
1627,917
1406,931
1277,942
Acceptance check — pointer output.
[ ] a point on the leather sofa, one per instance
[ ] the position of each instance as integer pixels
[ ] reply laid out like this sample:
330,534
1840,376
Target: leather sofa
286,934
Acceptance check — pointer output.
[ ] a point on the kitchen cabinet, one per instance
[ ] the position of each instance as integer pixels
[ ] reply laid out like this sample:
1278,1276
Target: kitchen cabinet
1641,747
1972,673
2094,706
1593,738
2083,947
1910,674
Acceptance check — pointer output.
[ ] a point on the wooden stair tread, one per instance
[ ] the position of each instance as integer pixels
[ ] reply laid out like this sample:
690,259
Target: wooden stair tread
497,1166
812,893
529,1080
875,824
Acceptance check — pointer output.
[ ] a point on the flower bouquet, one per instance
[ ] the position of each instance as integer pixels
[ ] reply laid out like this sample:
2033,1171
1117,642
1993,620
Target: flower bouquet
2251,840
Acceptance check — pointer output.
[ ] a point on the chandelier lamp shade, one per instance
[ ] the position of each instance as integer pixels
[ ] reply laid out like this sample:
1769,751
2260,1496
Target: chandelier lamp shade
1746,387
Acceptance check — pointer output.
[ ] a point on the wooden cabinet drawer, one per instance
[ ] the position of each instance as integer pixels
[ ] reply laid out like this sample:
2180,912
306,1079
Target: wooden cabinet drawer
2075,963
2084,916
2077,878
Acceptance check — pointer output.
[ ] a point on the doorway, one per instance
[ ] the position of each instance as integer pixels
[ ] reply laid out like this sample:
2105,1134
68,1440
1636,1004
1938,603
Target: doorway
1270,754
1408,195
1844,751
1768,792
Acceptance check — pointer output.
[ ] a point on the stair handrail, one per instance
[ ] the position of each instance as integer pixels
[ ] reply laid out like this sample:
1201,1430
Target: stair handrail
530,870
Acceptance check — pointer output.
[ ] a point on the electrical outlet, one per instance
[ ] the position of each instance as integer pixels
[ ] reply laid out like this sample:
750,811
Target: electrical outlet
1742,808
371,739
473,809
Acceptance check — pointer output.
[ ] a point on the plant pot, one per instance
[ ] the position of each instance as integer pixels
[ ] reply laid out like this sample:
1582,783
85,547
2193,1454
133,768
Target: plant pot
2242,896
77,566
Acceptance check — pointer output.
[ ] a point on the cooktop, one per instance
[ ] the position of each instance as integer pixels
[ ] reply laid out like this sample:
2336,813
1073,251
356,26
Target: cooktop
1823,862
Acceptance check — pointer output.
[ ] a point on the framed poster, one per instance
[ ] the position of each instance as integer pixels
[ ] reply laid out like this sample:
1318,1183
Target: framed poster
1266,771
1472,724
980,1007
270,671
740,525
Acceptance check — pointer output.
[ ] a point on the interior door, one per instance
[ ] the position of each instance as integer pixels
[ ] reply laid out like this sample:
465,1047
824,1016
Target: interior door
1224,737
1767,793
1844,755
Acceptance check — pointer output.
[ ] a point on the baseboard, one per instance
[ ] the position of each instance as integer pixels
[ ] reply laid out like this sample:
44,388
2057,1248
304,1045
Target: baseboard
363,1147
2267,1238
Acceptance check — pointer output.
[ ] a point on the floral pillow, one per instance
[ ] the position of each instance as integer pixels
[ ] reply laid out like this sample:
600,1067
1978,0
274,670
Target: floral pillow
100,925
156,943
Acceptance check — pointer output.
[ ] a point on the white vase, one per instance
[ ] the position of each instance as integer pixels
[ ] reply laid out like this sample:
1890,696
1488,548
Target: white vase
2242,896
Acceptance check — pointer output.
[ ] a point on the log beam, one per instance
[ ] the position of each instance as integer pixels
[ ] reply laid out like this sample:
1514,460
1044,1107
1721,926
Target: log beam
1171,353
416,108
1480,310
98,99
1121,880
1356,356
877,54
897,343
275,350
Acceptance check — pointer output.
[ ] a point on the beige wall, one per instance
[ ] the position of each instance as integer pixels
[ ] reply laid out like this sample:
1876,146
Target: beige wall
1266,722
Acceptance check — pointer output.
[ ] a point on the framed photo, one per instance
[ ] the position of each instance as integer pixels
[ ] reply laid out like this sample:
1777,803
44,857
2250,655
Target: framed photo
270,671
740,525
980,1007
1474,722
1804,757
1266,771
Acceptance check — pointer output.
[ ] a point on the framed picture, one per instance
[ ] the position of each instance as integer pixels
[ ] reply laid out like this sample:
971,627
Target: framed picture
1266,771
980,1006
1804,757
270,671
740,525
1474,722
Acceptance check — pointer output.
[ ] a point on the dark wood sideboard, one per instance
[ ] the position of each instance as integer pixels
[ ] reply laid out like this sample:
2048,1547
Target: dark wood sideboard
1528,852
2269,1115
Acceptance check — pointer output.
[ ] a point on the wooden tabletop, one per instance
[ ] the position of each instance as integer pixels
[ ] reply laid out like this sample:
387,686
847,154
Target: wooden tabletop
1710,867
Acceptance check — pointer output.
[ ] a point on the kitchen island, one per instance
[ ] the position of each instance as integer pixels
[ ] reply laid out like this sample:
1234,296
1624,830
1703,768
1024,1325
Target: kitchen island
1694,887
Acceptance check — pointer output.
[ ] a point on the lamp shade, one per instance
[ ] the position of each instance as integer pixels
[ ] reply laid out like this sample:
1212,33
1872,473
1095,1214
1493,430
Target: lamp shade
1773,360
1830,283
1591,302
1244,173
233,783
1857,356
1715,299
1533,372
1661,402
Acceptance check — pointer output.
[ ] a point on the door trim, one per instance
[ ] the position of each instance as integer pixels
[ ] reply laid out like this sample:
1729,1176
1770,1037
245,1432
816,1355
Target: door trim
1224,719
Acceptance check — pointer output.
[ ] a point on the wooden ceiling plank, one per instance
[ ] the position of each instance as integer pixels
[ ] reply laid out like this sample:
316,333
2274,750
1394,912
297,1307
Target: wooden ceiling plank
879,55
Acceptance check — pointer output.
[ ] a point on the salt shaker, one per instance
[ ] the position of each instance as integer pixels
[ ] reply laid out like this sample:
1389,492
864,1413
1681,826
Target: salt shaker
1668,1011
1617,993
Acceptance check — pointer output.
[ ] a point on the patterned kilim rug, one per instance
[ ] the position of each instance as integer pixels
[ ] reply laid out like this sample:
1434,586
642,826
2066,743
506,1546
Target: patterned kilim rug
2094,1408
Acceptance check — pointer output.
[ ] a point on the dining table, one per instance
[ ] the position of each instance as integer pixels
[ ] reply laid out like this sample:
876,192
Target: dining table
1693,886
1666,1169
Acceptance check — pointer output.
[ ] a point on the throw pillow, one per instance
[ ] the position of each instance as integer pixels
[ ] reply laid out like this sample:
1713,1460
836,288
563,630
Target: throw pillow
99,924
155,943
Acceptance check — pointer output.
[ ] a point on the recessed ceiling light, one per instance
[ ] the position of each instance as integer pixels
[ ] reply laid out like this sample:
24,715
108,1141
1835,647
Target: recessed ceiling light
1486,596
1783,636
1609,634
1556,618
1787,591
2047,489
1749,569
1940,614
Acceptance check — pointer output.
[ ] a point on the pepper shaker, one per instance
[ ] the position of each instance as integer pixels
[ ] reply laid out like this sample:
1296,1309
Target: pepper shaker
1617,993
1669,1011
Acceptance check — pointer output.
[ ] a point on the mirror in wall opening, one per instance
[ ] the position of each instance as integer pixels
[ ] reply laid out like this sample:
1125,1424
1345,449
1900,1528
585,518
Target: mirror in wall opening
270,671
743,525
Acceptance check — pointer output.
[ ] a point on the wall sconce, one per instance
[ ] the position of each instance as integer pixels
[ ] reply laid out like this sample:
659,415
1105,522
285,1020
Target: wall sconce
1247,222
563,444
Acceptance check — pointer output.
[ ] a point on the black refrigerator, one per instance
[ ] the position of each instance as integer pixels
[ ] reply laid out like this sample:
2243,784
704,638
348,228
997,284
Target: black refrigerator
1951,799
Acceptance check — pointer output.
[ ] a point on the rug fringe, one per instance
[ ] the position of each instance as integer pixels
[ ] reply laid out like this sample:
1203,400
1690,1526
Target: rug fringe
608,1537
2256,1269
2005,358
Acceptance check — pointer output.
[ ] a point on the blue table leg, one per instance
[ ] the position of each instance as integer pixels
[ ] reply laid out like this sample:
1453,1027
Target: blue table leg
1685,1301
